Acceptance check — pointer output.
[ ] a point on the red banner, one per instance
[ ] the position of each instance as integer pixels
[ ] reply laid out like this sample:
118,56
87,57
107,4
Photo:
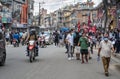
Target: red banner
78,25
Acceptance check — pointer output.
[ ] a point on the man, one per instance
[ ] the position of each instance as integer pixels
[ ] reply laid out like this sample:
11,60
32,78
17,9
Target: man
16,37
69,41
105,50
66,45
32,36
42,42
56,38
83,43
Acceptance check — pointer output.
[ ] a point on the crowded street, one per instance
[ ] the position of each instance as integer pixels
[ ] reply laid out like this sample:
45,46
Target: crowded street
59,39
52,63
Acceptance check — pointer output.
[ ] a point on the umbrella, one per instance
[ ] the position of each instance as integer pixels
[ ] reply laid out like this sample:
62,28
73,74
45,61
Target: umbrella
64,29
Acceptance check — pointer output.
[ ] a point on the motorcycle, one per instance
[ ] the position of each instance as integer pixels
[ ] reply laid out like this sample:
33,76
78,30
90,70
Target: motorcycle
15,43
42,42
32,50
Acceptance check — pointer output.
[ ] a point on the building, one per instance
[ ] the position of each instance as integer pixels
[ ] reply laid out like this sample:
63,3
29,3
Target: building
14,12
43,13
79,12
59,18
27,12
118,14
5,14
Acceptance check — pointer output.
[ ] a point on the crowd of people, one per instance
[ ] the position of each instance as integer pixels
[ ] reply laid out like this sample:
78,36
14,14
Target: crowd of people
81,43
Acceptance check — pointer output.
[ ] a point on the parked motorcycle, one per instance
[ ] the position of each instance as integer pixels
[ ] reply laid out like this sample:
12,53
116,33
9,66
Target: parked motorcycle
32,50
15,43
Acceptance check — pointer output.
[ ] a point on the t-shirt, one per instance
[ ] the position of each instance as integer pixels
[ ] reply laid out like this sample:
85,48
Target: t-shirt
106,48
83,43
69,38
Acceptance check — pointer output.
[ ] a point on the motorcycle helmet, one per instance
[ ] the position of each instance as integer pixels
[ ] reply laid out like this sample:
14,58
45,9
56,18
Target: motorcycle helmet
32,31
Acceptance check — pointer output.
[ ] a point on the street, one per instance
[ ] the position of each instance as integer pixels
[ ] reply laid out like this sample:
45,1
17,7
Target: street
52,63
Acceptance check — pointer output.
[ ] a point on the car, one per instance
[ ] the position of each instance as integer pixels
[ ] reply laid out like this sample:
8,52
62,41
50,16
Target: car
2,49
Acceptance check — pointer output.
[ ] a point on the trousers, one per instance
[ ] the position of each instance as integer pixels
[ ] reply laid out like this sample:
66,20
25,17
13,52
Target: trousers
106,61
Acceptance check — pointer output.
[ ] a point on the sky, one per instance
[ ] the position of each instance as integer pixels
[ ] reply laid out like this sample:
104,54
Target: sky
52,5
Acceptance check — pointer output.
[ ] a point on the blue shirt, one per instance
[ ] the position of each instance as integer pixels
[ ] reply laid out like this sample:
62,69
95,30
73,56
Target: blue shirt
16,36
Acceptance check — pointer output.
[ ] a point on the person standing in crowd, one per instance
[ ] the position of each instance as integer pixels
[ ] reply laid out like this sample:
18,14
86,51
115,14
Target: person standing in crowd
117,46
16,37
83,42
76,40
7,36
105,50
69,40
66,45
56,38
11,37
60,39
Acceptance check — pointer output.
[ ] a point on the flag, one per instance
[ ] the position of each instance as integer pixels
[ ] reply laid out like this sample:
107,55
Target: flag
78,26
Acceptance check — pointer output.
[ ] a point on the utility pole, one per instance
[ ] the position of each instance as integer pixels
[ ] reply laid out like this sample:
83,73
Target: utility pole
12,8
39,23
39,15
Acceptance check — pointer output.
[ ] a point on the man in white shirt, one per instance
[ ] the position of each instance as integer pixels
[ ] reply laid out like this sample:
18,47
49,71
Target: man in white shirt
105,50
69,40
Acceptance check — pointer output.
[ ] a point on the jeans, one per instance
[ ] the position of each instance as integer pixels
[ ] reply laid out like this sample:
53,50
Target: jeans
70,51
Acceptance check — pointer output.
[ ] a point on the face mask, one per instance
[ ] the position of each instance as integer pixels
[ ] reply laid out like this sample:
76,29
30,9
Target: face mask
106,39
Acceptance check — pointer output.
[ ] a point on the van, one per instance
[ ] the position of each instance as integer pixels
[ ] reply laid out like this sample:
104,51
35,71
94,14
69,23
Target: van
2,49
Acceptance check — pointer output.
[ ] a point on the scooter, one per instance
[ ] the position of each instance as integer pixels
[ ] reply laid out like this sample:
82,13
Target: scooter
15,43
32,50
42,43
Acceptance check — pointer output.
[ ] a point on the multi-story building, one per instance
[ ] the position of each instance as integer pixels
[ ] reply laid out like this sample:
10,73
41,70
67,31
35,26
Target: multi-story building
42,16
12,11
5,13
27,12
79,13
59,17
67,18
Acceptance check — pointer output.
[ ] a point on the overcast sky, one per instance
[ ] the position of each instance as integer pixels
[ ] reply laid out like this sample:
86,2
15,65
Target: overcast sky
52,5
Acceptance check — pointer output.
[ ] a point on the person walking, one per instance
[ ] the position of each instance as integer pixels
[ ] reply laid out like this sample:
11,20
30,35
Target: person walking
83,42
105,50
56,38
69,40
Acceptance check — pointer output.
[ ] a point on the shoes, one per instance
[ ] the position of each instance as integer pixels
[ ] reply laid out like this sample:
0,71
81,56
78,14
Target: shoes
72,58
82,62
90,58
27,55
69,58
106,74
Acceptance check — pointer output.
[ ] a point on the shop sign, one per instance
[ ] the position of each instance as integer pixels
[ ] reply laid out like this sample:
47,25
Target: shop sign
4,20
9,20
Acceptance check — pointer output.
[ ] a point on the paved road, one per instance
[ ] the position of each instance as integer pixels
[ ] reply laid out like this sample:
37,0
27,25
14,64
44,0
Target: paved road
51,64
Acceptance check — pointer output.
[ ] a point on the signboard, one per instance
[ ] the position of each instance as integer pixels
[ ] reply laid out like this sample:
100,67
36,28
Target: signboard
4,20
5,14
9,20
